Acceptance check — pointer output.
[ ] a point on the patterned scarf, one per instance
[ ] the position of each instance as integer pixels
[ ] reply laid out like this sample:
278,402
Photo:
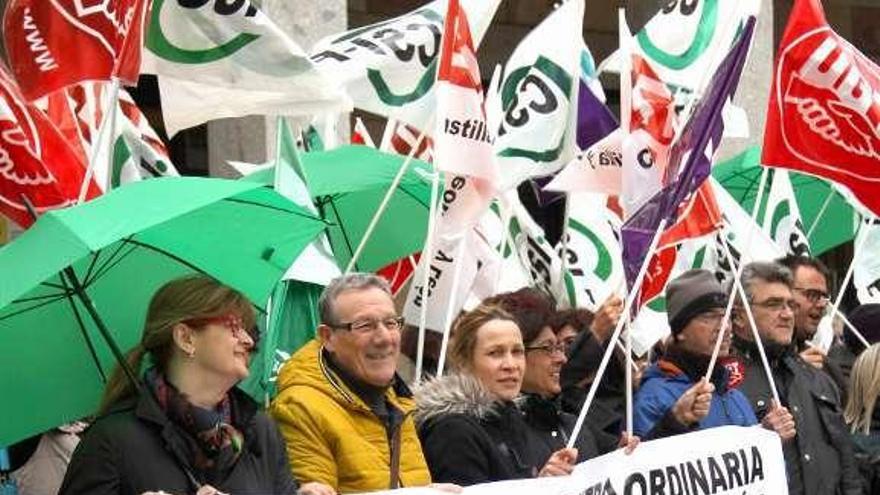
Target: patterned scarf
217,443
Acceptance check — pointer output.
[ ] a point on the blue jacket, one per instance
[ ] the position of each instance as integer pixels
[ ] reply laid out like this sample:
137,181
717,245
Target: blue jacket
663,383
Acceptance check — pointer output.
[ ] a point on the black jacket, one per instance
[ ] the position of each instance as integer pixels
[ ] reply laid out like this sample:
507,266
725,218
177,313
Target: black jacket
135,448
551,429
469,438
819,460
867,453
605,417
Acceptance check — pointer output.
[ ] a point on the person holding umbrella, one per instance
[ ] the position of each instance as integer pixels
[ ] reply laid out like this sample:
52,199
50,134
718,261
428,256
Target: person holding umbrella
184,428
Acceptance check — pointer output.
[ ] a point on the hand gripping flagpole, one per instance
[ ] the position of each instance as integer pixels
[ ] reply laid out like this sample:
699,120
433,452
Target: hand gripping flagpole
427,256
384,204
630,298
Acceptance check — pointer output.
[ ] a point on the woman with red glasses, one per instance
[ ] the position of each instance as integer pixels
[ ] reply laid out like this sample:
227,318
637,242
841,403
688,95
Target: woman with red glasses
189,430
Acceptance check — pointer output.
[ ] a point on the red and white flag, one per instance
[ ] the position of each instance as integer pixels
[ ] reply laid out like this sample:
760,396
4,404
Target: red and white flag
37,164
462,139
823,117
645,149
53,44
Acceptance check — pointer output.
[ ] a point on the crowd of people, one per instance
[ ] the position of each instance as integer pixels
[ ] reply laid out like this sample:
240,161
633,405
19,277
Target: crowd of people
346,421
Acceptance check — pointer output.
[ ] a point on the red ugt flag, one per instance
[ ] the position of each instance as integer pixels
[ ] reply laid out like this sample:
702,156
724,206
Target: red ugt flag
37,164
824,110
52,44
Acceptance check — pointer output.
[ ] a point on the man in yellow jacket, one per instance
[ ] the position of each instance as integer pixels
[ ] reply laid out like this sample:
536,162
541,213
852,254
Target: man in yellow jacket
345,414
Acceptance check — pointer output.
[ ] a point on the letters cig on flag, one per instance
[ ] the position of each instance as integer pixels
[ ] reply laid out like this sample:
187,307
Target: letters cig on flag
37,165
462,140
57,43
823,116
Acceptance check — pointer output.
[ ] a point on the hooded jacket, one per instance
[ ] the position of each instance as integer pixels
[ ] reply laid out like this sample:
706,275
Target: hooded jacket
336,437
135,448
471,438
667,380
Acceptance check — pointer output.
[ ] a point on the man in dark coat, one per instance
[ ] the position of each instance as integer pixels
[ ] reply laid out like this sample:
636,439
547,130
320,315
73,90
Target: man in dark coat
819,460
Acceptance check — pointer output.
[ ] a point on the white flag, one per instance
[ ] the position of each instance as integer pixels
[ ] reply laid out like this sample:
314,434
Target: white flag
390,68
217,62
866,274
687,40
597,170
537,98
782,217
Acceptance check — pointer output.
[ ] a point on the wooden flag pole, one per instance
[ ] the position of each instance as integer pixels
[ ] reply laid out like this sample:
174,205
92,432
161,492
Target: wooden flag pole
103,134
427,256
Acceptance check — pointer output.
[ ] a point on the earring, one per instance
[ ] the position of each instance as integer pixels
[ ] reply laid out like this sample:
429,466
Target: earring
190,353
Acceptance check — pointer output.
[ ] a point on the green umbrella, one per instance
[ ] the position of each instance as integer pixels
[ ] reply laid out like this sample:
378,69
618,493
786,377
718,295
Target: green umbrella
836,225
120,248
348,183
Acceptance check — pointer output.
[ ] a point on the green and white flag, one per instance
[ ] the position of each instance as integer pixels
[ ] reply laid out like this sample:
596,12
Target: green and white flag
390,68
782,216
594,268
687,40
228,59
537,98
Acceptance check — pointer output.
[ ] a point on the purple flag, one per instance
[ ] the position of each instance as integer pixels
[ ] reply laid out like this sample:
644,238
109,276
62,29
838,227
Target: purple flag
690,158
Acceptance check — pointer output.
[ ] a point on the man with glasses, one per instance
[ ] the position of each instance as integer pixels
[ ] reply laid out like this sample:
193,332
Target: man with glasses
810,292
819,459
675,397
344,413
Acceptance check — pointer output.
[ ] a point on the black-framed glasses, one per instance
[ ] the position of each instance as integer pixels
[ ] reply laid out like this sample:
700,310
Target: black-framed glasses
559,347
814,295
392,323
777,304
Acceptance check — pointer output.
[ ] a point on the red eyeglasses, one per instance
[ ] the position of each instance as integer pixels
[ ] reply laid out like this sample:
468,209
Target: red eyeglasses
231,321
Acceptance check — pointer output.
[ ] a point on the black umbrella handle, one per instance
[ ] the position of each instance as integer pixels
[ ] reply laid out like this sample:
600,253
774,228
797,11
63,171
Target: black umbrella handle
80,292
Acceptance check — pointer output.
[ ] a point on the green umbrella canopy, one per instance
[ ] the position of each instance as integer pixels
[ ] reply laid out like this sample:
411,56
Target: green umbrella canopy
740,177
348,183
122,247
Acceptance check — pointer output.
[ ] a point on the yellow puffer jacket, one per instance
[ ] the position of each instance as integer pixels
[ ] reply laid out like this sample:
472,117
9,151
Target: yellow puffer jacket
332,435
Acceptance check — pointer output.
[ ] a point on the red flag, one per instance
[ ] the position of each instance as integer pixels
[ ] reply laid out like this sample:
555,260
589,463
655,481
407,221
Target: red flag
399,272
824,111
36,162
698,216
58,43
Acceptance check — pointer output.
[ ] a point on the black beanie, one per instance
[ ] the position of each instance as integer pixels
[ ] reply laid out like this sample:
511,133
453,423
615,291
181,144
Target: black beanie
690,294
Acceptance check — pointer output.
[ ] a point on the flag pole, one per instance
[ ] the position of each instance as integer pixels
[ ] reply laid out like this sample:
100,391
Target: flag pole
866,229
108,120
821,211
450,306
384,204
630,299
629,377
427,256
737,272
738,288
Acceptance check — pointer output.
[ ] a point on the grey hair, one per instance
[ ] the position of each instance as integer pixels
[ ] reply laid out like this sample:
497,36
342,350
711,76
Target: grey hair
350,281
766,271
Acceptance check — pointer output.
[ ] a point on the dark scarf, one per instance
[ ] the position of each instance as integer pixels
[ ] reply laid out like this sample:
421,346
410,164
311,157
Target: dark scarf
695,366
214,442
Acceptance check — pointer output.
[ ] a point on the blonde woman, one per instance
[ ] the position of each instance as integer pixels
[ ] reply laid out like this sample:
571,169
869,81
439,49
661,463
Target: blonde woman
863,416
470,428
